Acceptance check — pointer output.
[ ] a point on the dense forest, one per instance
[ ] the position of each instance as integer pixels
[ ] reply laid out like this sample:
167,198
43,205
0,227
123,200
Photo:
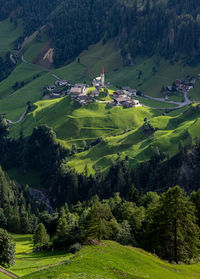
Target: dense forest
168,28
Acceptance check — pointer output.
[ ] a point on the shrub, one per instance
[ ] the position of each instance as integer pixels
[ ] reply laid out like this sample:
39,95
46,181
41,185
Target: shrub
75,248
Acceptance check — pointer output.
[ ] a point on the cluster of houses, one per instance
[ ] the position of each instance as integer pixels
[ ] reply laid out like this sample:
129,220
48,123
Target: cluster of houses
181,85
57,90
124,98
79,92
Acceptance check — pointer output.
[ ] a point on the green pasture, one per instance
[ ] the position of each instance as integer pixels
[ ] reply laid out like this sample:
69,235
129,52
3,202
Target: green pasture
28,261
8,34
110,260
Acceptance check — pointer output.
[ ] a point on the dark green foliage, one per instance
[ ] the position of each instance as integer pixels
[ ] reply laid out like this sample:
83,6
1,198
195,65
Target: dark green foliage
172,231
7,249
76,247
6,66
100,223
40,237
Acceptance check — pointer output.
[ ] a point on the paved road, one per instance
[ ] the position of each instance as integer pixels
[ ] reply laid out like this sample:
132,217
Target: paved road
20,119
179,104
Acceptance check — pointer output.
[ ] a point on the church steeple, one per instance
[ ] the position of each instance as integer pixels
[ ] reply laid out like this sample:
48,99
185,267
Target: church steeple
102,77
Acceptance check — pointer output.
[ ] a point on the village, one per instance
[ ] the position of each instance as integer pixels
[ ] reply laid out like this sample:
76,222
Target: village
182,86
84,94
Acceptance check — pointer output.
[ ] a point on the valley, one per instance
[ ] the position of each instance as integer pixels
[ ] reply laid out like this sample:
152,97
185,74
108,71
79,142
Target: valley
99,139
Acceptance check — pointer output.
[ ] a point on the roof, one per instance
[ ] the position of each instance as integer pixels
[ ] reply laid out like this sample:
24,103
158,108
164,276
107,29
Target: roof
75,90
122,99
79,85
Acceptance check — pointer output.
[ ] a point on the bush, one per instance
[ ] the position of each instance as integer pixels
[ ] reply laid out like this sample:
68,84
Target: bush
75,248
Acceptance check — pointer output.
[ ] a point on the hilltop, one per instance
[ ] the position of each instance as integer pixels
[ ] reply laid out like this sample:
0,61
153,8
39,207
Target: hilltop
108,260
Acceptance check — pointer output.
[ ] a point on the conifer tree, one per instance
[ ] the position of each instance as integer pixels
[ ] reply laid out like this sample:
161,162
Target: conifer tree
172,231
40,237
7,249
99,222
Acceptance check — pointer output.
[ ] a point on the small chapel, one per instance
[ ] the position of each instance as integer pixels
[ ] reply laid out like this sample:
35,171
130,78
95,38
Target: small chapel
99,81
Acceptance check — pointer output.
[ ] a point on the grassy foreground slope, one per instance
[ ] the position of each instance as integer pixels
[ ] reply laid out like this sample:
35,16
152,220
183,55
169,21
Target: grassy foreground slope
27,261
111,260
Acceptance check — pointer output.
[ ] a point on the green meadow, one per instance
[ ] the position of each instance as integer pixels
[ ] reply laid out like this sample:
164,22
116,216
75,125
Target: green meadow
110,260
28,261
147,75
8,34
138,144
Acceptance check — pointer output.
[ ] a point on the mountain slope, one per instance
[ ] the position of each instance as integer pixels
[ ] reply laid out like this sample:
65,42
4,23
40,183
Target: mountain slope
111,260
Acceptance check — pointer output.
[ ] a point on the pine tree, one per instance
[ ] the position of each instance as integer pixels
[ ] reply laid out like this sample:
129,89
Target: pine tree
7,249
99,222
40,237
172,231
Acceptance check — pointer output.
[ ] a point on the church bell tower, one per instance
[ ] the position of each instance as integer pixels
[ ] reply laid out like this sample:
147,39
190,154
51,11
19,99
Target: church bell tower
102,77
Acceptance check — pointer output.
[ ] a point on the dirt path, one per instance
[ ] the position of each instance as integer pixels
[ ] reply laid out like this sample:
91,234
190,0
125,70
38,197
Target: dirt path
8,273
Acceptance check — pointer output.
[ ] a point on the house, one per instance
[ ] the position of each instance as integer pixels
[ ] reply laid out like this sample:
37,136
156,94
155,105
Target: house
81,86
75,92
120,93
94,93
50,87
61,83
129,90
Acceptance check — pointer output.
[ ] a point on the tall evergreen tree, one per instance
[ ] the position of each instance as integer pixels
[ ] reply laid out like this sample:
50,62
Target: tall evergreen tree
40,237
172,231
7,249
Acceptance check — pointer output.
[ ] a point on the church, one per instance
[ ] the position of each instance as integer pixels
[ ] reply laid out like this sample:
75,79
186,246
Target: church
99,81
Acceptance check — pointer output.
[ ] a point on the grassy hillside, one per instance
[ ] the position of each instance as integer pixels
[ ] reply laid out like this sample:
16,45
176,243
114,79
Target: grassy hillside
28,262
139,145
121,131
150,82
8,34
15,103
74,123
112,261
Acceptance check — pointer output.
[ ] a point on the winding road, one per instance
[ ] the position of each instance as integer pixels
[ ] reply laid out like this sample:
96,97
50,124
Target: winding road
178,104
186,102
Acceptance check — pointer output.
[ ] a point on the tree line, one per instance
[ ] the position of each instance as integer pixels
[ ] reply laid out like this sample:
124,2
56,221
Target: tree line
167,225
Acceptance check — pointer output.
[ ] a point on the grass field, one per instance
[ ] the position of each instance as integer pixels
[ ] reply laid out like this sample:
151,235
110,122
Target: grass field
120,129
28,261
15,104
150,83
8,34
139,145
113,261
23,73
74,124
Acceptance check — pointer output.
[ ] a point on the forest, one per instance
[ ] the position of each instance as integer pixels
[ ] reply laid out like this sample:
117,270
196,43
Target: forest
167,28
131,207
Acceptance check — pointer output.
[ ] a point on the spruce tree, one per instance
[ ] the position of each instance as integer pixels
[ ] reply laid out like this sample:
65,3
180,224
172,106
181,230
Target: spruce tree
99,222
40,237
7,249
172,232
